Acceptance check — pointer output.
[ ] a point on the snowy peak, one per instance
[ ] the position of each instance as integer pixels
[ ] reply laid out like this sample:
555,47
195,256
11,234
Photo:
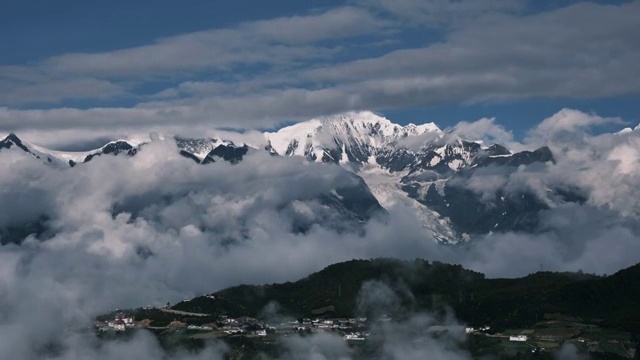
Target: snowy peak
13,140
354,137
202,147
413,129
112,148
366,125
424,168
207,150
363,126
62,158
202,151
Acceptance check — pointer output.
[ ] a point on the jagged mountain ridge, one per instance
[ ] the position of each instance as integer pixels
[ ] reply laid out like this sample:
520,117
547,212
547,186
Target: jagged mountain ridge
364,138
203,151
355,138
427,168
430,166
342,208
68,158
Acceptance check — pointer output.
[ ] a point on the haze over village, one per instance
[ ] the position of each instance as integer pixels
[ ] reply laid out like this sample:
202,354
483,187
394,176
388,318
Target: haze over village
345,179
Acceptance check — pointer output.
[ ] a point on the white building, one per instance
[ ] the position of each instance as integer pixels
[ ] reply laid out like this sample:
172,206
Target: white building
128,320
119,325
518,338
353,337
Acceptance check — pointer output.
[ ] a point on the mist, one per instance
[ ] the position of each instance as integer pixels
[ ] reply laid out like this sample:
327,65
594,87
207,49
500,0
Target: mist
125,232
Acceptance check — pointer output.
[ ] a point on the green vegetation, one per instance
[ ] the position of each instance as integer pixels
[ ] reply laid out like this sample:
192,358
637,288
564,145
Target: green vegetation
599,315
609,302
337,287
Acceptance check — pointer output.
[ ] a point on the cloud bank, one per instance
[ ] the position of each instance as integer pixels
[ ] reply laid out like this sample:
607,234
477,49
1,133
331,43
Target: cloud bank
363,56
122,232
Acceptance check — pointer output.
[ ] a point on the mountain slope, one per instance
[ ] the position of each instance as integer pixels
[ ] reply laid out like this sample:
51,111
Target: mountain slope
63,158
502,303
345,207
13,142
439,175
436,170
200,150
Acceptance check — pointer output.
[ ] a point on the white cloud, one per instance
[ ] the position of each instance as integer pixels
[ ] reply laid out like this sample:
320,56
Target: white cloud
442,12
273,41
484,129
558,53
209,219
282,41
569,121
52,91
552,54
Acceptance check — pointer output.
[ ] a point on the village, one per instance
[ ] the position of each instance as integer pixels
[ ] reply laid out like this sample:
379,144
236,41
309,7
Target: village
551,334
351,329
544,336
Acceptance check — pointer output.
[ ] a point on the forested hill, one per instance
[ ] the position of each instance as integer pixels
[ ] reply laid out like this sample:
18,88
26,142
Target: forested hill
612,301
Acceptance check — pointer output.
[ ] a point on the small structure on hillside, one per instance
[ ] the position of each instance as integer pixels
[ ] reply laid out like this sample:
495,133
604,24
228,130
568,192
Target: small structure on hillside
120,322
119,325
353,337
520,338
128,320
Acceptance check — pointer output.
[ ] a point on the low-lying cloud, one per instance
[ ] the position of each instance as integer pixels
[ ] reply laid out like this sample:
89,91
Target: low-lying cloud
123,232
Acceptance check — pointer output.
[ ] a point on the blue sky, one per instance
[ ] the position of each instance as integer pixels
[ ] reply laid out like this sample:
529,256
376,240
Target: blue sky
98,69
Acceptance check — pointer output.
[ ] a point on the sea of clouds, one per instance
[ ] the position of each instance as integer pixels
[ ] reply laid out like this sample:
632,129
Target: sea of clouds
130,231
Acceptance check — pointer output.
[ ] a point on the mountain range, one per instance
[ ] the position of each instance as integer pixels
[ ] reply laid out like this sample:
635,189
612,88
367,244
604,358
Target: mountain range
430,170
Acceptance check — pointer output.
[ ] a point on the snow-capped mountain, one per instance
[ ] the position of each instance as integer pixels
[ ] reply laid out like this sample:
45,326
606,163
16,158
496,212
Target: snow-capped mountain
65,158
354,138
364,138
430,171
112,148
202,151
343,208
12,141
425,168
205,151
